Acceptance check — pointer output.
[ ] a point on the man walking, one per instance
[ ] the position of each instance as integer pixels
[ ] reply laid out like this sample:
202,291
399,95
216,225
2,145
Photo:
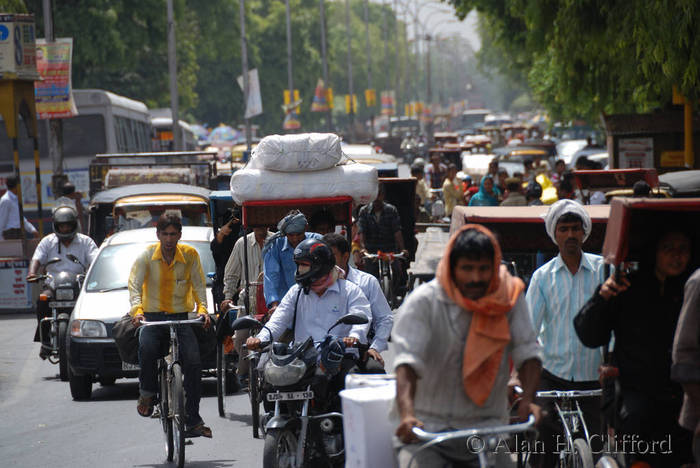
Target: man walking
9,213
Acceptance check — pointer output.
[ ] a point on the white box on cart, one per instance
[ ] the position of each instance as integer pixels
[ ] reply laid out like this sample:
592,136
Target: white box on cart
367,430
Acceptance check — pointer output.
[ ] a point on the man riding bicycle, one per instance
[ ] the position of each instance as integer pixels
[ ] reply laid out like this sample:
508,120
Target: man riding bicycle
165,283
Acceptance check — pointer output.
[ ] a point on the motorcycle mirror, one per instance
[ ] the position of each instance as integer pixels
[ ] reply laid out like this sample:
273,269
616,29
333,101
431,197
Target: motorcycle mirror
53,260
243,323
350,319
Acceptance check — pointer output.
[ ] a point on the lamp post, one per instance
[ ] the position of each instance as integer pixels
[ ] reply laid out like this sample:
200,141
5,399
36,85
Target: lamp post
324,60
351,89
172,72
369,68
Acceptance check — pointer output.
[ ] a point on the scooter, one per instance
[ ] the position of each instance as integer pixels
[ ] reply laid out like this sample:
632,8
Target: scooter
303,425
64,288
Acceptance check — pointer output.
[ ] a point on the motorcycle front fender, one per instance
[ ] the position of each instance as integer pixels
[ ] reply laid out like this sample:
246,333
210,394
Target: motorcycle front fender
280,422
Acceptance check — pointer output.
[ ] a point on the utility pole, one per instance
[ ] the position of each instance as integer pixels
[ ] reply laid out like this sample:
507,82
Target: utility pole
369,69
429,89
54,127
324,60
397,78
351,89
290,80
172,72
246,78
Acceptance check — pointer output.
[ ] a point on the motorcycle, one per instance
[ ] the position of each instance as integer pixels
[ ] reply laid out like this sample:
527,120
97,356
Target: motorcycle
303,424
64,289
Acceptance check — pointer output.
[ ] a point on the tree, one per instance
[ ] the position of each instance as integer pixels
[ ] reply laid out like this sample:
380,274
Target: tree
583,57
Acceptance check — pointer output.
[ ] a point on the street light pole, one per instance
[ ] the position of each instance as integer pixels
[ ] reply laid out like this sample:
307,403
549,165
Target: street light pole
324,60
172,72
350,84
290,81
369,69
246,78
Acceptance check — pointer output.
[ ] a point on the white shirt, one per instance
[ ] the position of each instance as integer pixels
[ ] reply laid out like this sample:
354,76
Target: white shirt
382,318
234,273
9,214
315,315
81,246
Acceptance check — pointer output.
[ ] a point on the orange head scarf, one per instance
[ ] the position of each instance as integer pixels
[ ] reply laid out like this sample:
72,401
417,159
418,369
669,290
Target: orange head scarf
489,332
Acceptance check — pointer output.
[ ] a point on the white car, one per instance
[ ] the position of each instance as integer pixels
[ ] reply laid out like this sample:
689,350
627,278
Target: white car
104,299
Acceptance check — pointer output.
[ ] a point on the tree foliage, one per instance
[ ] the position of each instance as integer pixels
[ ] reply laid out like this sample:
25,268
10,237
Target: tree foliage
583,57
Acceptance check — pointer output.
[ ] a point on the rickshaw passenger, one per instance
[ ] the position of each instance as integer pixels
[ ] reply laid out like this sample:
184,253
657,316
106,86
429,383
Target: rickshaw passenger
382,317
642,311
454,339
556,293
686,359
278,256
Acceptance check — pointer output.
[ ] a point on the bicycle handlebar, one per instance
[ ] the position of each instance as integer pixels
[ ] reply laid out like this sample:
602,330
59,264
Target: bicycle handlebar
196,321
384,255
569,393
439,437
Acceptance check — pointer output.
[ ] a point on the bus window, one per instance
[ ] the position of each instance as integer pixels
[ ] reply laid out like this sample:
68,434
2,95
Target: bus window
84,134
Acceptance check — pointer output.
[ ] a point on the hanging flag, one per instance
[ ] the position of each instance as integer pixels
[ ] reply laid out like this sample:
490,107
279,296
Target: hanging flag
329,97
370,97
348,109
387,102
291,121
320,102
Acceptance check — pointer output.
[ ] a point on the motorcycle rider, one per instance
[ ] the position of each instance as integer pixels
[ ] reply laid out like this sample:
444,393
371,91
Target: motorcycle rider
326,297
63,241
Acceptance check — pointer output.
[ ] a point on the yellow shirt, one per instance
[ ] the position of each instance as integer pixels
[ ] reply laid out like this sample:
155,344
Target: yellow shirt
422,190
155,286
452,195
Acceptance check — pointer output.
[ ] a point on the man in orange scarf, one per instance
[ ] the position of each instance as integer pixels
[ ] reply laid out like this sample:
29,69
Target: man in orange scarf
455,338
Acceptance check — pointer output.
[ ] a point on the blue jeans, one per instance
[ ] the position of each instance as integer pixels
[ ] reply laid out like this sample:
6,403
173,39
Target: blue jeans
153,344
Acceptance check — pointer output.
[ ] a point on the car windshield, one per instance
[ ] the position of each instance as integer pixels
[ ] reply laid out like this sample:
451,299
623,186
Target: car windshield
113,265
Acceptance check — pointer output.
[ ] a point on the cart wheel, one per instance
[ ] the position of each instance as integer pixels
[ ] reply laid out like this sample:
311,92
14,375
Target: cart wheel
221,377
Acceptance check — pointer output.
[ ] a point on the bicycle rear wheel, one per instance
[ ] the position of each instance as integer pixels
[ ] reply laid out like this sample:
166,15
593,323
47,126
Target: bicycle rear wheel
177,401
221,374
164,410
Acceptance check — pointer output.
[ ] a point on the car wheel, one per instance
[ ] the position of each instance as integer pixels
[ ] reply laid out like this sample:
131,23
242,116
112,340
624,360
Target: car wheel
80,386
63,350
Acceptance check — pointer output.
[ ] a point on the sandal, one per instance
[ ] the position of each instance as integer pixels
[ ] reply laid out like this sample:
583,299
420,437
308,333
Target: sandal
200,430
145,406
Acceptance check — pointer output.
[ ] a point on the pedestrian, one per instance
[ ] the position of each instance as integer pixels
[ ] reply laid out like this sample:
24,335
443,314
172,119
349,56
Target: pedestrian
435,172
452,190
533,194
514,196
557,291
9,213
686,360
221,247
486,196
559,168
455,339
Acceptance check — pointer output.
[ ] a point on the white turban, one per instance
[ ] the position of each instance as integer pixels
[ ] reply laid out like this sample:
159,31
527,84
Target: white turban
561,208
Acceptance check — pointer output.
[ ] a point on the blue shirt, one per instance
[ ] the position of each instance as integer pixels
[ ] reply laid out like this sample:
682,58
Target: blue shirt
554,297
382,318
279,268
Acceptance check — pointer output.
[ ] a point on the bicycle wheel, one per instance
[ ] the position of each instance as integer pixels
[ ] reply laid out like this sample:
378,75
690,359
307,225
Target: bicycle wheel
386,284
254,395
221,371
177,402
582,456
164,410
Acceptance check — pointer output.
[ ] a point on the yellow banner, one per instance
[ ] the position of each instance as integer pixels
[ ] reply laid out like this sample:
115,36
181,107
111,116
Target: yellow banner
370,97
348,109
329,97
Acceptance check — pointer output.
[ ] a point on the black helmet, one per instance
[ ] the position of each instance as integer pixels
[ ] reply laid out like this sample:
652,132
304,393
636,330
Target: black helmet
62,215
319,255
534,190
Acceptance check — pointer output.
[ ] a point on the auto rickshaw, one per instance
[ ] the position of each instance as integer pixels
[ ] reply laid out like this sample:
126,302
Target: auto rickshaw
137,206
614,182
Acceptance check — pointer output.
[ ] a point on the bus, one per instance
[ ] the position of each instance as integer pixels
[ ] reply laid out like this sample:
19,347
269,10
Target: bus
472,118
106,123
162,134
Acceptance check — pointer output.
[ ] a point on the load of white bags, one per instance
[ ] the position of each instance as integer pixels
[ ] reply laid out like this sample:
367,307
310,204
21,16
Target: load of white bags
293,153
302,166
358,181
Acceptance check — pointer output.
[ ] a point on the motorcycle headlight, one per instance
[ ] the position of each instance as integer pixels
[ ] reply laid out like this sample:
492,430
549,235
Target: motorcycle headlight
64,295
88,329
281,376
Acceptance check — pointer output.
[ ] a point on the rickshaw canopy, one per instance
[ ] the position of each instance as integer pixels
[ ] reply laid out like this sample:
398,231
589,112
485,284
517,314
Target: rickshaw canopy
635,222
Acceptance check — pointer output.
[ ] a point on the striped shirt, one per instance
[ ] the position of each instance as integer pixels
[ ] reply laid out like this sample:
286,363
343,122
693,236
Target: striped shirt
156,286
554,298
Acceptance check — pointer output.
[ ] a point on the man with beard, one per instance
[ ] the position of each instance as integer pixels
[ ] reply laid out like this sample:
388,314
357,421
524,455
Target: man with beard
556,293
455,339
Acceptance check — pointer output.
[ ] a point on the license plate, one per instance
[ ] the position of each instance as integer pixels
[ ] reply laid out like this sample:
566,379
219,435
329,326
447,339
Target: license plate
126,366
285,396
61,304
